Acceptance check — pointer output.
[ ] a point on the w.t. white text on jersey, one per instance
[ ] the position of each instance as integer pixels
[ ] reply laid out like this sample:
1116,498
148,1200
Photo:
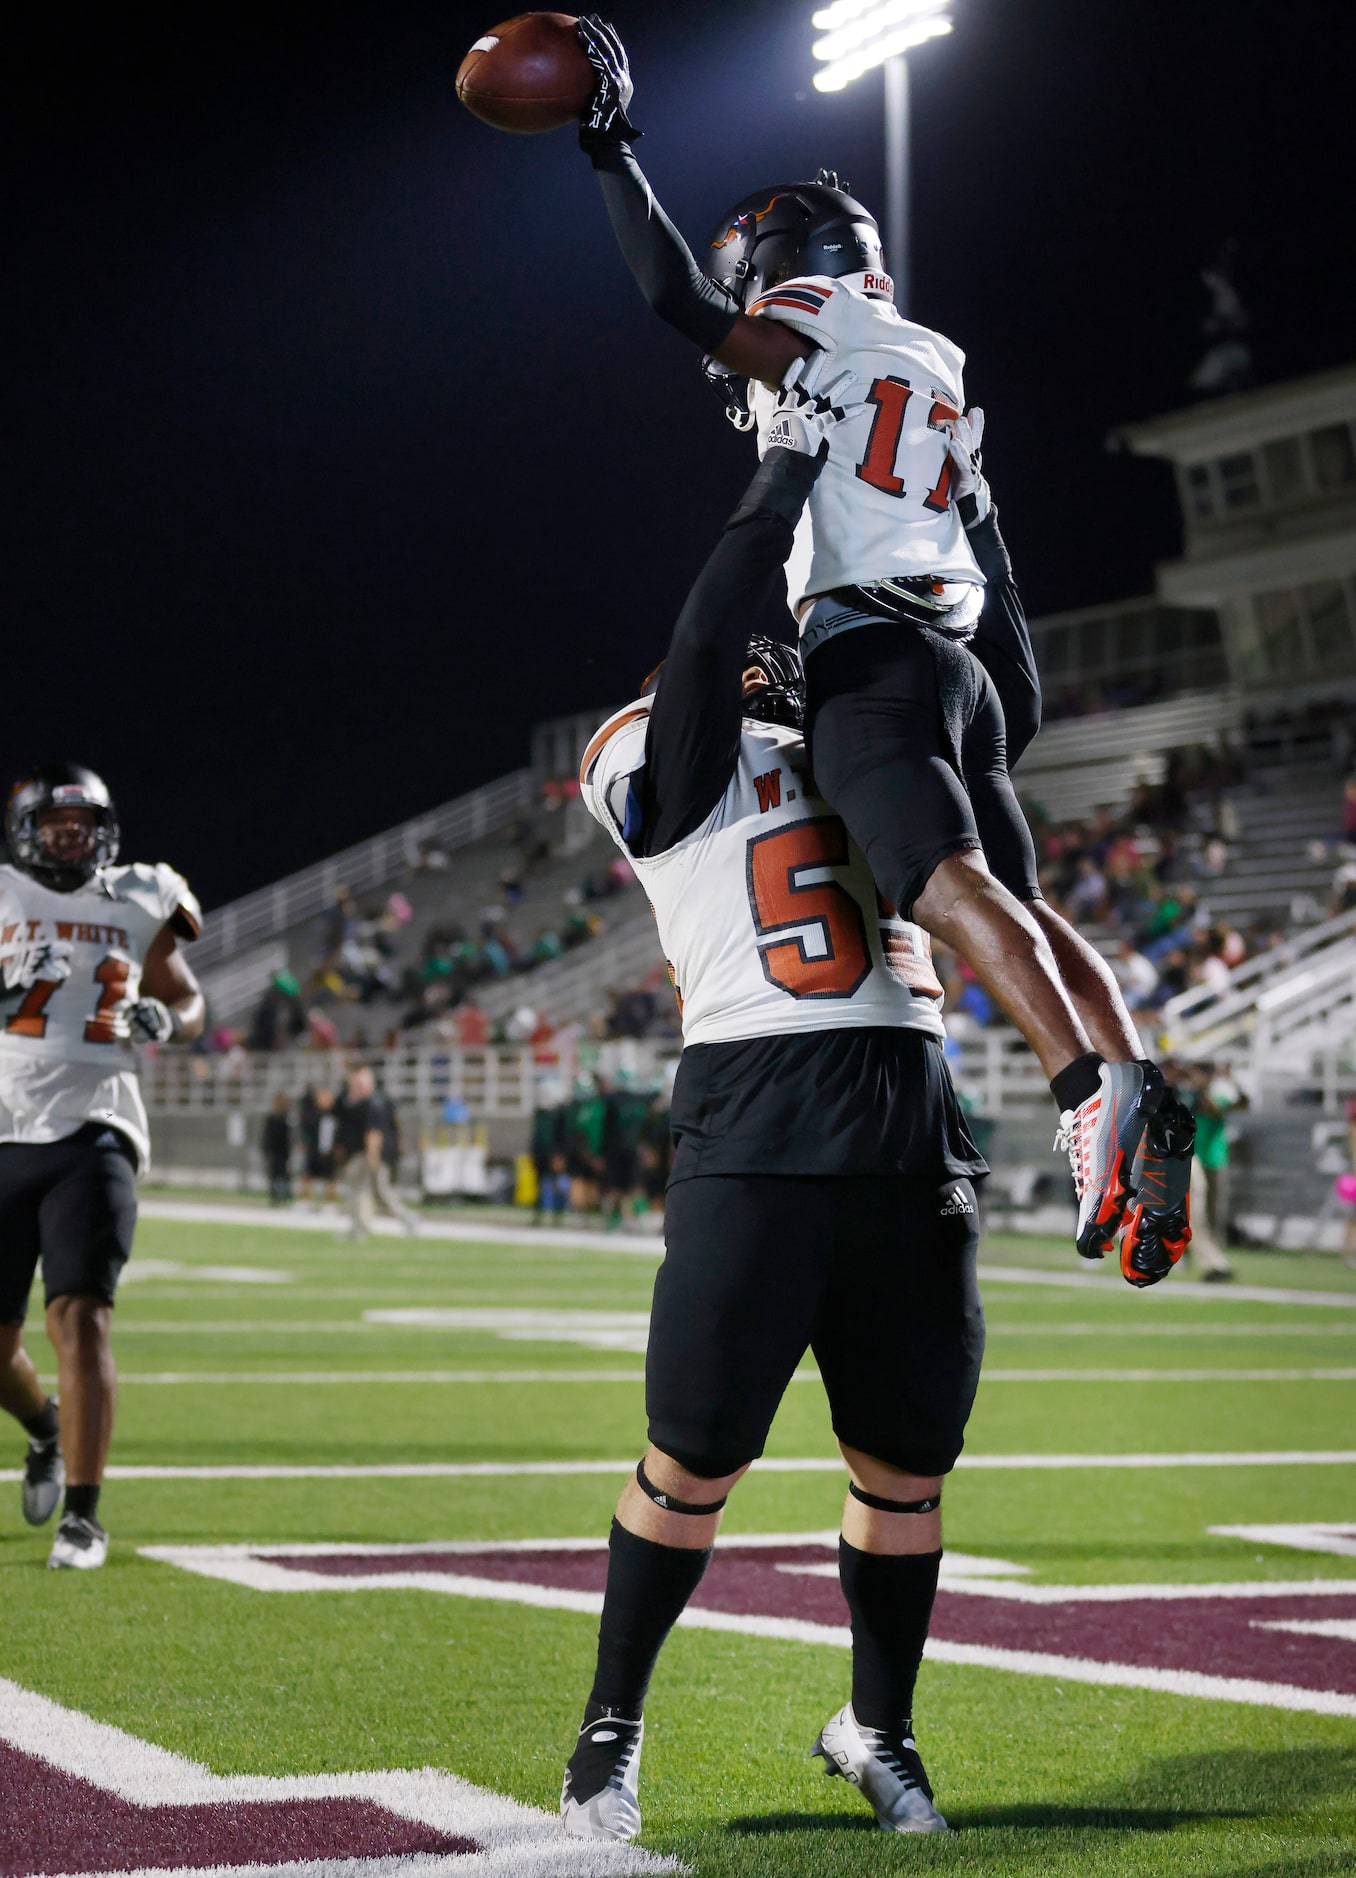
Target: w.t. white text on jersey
768,916
64,1058
881,509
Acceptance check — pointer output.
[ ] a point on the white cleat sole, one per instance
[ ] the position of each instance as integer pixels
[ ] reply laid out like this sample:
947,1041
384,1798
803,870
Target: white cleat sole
897,1808
603,1817
65,1557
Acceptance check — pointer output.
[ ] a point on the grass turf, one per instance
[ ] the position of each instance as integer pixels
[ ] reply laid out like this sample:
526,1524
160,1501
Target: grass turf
1041,1777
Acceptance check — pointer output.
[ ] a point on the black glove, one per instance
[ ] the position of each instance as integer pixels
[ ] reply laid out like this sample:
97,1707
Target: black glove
605,121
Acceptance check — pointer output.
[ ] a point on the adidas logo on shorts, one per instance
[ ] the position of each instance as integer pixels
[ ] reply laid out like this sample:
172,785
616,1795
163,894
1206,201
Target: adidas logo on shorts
956,1202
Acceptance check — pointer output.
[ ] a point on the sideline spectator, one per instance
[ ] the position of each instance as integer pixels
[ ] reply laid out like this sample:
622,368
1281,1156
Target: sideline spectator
276,1142
1211,1097
318,1127
367,1189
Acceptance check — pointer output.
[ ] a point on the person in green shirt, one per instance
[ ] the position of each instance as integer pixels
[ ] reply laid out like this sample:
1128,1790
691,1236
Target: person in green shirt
1211,1095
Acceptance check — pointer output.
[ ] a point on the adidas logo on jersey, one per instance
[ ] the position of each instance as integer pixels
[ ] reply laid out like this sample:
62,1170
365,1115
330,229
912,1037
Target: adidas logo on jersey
956,1202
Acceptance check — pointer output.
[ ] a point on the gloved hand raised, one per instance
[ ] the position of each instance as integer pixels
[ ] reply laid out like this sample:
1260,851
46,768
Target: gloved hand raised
605,120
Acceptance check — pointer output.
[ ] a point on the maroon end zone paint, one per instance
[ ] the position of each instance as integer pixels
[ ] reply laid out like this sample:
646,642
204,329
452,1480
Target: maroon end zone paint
55,1822
1211,1636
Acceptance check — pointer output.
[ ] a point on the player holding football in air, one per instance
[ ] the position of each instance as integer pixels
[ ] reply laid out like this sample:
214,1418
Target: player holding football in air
919,692
799,1215
89,966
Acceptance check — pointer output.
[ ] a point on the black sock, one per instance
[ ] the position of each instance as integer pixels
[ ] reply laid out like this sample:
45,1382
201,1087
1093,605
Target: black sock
44,1426
890,1599
647,1588
1077,1080
82,1501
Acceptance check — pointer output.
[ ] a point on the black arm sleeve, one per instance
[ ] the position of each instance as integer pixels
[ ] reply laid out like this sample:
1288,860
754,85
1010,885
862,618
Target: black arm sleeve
657,255
1002,643
692,742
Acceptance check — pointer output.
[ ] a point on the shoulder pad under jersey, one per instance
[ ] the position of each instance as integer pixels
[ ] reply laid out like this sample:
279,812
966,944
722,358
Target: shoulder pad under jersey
615,750
160,891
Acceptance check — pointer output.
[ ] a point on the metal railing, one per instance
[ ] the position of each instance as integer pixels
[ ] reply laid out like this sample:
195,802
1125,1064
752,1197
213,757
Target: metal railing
495,1081
367,865
1203,1017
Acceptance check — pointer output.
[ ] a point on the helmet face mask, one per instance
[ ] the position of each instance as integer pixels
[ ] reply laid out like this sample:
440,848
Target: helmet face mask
61,826
773,683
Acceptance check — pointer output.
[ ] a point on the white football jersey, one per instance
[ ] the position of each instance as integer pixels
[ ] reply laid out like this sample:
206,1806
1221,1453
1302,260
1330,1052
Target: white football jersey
62,1060
881,509
768,916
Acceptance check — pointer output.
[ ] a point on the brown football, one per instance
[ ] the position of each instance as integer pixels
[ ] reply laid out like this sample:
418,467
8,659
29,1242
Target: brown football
527,75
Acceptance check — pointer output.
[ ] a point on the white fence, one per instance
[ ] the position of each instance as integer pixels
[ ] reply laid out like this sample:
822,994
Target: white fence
497,1081
264,915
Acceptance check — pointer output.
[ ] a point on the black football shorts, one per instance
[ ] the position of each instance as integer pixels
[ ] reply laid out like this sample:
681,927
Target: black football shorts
71,1205
875,1275
908,745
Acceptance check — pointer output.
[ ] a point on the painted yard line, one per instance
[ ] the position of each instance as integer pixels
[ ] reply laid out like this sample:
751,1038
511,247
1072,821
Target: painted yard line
345,1326
1175,1288
496,1470
1311,1536
215,1213
510,1839
652,1246
258,1574
313,1378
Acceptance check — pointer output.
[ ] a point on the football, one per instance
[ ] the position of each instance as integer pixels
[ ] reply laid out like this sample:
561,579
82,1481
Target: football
527,75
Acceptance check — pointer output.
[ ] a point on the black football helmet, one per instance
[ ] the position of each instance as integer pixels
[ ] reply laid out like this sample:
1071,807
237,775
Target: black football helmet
60,786
789,229
782,699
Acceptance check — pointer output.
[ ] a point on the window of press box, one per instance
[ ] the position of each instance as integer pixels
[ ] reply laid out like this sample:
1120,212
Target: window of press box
1334,459
1238,480
1285,468
1198,484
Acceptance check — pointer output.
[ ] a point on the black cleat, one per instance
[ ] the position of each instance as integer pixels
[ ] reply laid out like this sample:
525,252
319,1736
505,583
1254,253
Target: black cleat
44,1477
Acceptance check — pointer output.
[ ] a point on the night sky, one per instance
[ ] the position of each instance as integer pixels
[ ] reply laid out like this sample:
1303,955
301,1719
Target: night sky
342,448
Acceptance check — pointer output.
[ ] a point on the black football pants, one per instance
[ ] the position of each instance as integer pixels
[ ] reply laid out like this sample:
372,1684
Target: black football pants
908,744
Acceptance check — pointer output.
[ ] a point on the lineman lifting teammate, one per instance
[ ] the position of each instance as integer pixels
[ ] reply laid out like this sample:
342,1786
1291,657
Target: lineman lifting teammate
919,693
89,966
799,1214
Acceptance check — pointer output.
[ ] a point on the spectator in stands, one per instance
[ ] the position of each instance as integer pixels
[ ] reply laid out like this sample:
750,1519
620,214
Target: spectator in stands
361,1140
1349,810
279,1018
1087,896
276,1141
1136,975
472,1026
318,1126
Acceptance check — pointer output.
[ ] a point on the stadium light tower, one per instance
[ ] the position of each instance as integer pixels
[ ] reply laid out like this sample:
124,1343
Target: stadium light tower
859,35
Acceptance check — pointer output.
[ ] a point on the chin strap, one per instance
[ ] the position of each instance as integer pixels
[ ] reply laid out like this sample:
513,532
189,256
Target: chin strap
667,1500
874,1500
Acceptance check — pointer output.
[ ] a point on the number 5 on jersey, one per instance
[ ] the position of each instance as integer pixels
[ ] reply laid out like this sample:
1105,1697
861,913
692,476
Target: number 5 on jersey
782,901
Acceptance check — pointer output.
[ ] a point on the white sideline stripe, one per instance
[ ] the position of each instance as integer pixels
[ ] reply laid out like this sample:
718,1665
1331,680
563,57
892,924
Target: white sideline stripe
518,1839
325,1377
264,1577
497,1470
205,1212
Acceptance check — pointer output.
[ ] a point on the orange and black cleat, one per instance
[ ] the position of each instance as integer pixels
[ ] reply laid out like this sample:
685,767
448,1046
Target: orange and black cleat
1158,1222
1102,1137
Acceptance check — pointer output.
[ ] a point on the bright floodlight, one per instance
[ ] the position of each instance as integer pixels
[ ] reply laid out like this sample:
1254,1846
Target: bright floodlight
860,34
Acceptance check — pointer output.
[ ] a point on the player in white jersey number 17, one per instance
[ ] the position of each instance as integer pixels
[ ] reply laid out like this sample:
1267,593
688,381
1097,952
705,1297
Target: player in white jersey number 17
89,966
887,586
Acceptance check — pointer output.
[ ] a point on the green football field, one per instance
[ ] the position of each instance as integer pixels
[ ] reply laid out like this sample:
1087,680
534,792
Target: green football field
251,1347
